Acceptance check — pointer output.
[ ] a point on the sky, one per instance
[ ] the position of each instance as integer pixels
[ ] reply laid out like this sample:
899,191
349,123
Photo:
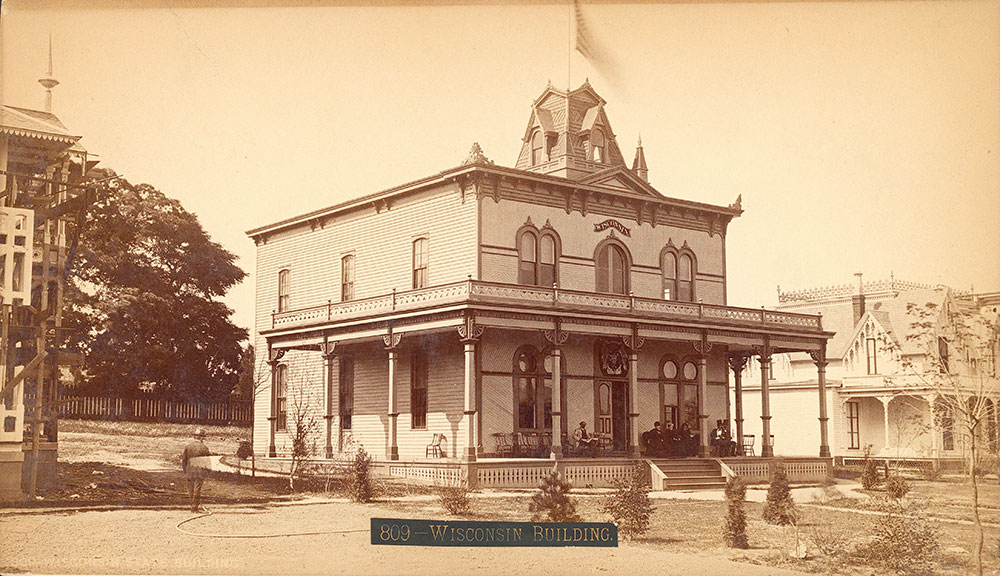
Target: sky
863,137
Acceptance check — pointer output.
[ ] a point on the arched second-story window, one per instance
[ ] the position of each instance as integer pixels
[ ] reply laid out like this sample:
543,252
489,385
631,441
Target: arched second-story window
597,146
678,268
537,143
347,277
284,287
538,256
613,267
420,263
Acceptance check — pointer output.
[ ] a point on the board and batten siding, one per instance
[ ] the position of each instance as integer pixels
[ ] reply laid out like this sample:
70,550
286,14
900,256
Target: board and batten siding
381,243
501,221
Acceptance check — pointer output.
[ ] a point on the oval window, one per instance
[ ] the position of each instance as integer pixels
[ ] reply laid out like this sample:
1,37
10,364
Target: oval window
690,371
526,362
669,370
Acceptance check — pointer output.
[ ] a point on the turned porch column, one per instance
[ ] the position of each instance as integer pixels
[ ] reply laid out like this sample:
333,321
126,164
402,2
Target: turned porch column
273,359
932,425
391,343
819,358
766,450
326,350
737,363
885,421
557,338
634,343
469,333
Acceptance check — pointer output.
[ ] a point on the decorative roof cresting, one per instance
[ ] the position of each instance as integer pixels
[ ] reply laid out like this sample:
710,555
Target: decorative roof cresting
476,156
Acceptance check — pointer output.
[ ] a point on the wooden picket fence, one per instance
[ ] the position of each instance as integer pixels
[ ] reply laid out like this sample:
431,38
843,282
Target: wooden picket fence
234,412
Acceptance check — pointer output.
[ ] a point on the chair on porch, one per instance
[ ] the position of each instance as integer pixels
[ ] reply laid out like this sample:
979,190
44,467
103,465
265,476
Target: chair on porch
747,445
434,448
503,445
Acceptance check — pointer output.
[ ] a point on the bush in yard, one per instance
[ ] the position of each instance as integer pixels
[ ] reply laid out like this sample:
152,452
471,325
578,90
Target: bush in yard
735,528
244,450
360,485
455,499
552,501
903,540
629,505
779,508
869,471
896,486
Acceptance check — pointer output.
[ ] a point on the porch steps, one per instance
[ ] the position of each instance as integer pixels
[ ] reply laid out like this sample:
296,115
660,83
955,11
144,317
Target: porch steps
691,474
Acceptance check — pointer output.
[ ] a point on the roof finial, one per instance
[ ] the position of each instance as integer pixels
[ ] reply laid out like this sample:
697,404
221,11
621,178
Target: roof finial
639,164
49,82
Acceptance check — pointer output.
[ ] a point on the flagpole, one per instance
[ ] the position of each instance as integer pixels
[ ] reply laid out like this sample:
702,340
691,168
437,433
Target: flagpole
569,43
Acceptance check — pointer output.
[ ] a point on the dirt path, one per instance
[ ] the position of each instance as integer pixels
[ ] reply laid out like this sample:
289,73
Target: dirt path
147,541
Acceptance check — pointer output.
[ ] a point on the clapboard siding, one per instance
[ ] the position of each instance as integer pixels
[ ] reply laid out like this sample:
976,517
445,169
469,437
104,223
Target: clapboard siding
502,220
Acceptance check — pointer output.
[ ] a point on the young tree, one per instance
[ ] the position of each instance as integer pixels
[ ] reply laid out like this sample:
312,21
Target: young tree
779,508
735,528
629,504
552,500
142,296
303,427
958,363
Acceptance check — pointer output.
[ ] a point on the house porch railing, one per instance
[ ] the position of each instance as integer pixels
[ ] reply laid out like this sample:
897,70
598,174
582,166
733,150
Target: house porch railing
475,291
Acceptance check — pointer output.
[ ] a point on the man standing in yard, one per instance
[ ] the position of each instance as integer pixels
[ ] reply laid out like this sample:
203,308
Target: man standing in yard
197,464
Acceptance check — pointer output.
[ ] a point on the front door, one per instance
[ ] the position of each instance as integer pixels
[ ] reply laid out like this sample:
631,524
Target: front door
612,412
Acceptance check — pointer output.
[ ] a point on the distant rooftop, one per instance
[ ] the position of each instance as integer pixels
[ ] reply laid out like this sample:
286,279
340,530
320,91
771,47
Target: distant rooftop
828,293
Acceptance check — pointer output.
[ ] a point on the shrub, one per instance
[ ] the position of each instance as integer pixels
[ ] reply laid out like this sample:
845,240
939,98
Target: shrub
896,486
244,450
869,471
455,499
903,540
735,528
360,485
552,500
629,504
779,508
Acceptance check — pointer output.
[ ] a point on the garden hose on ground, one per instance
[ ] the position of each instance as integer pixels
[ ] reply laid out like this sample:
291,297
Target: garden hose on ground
277,535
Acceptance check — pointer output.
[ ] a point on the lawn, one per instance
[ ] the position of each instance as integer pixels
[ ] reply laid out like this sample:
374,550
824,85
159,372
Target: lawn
138,465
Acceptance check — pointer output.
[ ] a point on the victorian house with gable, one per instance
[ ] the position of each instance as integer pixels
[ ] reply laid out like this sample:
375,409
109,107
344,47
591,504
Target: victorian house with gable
478,315
900,351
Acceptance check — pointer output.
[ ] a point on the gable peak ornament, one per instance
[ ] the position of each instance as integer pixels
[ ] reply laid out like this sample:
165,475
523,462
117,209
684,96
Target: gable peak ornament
477,157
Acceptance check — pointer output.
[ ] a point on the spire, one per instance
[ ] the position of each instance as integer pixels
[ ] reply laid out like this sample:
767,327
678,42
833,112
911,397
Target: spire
48,81
639,164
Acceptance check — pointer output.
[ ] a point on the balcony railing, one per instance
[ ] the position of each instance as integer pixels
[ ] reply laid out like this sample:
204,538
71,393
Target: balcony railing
479,292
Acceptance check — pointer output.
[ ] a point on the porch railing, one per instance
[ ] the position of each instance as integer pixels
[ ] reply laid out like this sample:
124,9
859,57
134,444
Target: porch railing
756,470
476,291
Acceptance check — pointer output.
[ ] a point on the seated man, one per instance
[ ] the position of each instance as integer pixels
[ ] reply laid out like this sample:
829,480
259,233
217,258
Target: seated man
585,441
719,439
655,441
671,441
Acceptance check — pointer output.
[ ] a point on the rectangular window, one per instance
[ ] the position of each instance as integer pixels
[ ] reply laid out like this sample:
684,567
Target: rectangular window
526,402
854,424
872,353
281,397
16,279
347,278
283,289
418,390
346,391
3,269
947,430
942,354
420,263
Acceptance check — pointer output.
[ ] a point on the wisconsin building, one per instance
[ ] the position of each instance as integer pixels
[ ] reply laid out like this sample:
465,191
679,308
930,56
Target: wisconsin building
469,321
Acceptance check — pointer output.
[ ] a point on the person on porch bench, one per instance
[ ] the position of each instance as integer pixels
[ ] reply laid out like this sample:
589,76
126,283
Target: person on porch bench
584,440
655,441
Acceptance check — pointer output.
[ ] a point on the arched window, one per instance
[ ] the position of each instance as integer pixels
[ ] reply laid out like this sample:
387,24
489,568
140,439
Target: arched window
679,378
537,140
678,268
420,263
284,279
532,390
347,278
527,255
281,397
538,256
597,146
613,267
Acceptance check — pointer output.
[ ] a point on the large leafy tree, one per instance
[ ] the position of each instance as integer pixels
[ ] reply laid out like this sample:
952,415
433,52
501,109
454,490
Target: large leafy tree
142,298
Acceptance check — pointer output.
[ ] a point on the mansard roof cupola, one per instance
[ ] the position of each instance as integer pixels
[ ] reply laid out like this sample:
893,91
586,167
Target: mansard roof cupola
569,135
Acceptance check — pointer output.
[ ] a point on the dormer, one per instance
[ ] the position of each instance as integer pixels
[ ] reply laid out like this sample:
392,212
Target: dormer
569,135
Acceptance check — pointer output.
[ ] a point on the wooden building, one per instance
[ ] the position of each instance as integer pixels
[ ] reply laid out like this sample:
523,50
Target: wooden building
487,310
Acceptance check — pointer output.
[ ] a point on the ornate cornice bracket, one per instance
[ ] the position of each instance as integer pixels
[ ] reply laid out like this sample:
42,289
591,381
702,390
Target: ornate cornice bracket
275,355
819,358
738,362
327,349
391,339
469,331
764,351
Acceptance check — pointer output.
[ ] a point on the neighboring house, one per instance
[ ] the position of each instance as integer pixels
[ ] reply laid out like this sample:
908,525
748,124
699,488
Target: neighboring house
886,371
493,306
